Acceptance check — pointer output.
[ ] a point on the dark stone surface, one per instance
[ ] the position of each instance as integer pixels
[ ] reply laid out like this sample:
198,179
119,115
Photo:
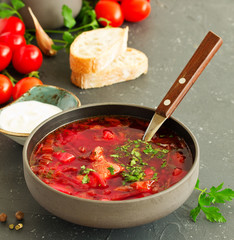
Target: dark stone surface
168,37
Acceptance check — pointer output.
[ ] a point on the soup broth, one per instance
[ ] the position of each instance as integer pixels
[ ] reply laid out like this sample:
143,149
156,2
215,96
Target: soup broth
104,158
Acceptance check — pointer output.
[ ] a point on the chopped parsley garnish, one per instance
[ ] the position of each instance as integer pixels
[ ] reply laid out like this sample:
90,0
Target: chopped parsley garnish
161,155
155,176
135,151
115,155
85,170
111,169
133,174
164,163
85,179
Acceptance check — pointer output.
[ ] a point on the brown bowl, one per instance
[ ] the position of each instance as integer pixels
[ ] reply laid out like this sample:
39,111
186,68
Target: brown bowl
109,214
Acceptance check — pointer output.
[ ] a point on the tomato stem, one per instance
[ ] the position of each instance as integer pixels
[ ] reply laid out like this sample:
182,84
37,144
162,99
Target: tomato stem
6,73
34,74
59,41
69,30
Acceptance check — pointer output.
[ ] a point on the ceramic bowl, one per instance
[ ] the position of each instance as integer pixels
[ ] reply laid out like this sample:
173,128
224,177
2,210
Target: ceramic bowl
47,94
109,214
48,13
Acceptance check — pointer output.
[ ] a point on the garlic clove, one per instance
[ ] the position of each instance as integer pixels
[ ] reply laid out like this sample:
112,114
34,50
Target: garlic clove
43,40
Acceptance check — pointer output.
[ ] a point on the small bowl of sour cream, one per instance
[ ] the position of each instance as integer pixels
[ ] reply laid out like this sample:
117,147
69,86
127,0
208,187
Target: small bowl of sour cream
20,117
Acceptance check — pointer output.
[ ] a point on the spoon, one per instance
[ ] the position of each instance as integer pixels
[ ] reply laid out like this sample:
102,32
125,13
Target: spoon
202,56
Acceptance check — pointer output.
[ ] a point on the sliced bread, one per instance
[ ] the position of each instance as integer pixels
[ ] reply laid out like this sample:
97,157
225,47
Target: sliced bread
130,65
94,50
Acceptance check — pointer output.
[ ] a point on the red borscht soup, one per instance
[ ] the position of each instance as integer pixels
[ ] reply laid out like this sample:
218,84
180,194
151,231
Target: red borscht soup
104,158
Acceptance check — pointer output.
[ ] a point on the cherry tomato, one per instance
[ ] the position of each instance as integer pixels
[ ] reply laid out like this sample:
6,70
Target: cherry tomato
13,25
3,22
14,41
6,88
111,11
135,10
5,56
27,58
111,0
23,85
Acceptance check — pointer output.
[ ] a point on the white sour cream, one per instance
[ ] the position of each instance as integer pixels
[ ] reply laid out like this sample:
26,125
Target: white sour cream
23,117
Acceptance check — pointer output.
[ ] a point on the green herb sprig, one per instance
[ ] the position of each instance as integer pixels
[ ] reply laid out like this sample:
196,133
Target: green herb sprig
7,10
207,200
86,20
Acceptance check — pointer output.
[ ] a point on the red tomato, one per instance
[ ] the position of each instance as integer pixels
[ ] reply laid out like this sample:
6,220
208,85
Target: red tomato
111,11
135,10
6,88
24,85
13,25
3,22
27,58
14,41
5,56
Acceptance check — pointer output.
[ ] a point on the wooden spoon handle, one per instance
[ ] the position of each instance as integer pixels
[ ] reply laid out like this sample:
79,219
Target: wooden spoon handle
204,53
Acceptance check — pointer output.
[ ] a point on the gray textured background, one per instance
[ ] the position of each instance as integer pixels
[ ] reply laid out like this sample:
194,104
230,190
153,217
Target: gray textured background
169,37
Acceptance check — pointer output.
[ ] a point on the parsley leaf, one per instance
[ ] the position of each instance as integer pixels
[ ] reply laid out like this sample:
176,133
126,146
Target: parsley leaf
221,196
69,21
206,200
194,213
17,4
213,214
7,10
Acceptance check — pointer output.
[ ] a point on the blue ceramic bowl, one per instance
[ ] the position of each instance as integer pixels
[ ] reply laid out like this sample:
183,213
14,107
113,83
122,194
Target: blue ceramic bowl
47,94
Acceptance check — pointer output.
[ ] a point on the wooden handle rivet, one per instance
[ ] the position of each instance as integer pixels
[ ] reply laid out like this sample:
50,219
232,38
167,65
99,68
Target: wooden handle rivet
182,80
167,102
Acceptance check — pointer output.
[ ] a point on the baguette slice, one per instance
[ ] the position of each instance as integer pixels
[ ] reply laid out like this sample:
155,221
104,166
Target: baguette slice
127,66
94,50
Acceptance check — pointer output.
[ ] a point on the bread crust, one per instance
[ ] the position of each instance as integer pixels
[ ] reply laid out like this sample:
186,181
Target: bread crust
130,65
103,57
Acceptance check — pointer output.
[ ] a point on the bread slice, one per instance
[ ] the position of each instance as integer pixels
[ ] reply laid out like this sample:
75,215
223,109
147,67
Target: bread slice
94,50
127,66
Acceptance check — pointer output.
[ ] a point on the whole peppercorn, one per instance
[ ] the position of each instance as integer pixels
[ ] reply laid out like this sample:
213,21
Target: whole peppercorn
19,215
3,217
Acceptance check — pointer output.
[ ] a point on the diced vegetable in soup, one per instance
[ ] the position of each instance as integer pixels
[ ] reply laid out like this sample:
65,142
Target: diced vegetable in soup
104,158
